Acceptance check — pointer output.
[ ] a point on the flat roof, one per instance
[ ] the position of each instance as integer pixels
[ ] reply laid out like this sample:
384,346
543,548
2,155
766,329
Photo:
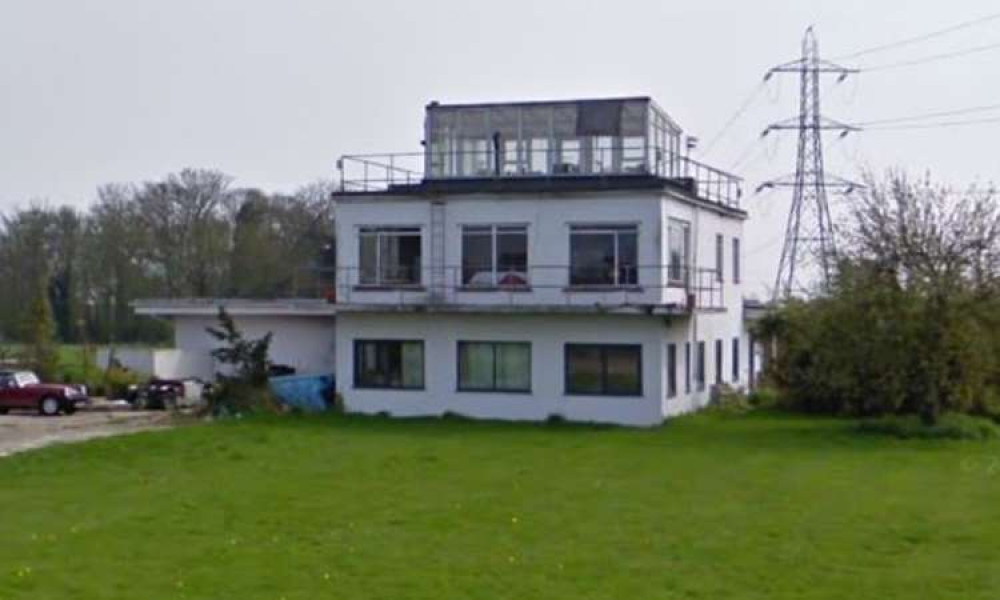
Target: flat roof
436,104
209,307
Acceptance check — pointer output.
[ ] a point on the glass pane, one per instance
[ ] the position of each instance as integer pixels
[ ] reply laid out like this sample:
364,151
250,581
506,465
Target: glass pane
583,369
369,259
512,256
475,366
513,367
592,258
477,257
671,370
412,364
400,258
623,373
628,259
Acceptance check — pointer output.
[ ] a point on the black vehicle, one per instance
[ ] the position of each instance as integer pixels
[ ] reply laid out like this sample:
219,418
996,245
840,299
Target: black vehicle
156,394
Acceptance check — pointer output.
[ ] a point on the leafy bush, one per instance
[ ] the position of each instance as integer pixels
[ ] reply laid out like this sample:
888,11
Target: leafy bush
765,397
234,398
728,400
114,383
950,426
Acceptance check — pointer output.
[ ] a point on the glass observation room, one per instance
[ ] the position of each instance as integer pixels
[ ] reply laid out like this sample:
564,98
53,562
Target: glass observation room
625,136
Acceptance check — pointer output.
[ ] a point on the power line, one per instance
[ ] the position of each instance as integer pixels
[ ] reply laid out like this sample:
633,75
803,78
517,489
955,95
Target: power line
920,38
933,58
944,113
739,113
941,125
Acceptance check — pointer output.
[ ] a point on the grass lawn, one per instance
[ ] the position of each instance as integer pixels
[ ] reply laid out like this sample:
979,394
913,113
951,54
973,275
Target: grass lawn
300,508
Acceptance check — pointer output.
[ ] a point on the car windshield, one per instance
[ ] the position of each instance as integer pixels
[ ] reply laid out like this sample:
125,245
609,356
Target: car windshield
26,378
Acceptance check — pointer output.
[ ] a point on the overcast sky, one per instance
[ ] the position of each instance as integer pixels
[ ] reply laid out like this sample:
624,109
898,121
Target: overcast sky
271,92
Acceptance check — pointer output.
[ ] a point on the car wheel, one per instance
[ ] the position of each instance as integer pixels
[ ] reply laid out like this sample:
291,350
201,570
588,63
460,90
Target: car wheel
49,406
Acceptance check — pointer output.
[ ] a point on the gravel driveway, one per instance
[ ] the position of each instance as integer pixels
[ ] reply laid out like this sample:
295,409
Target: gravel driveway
26,431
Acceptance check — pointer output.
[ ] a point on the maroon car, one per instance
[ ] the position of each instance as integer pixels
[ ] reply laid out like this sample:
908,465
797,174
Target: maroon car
23,390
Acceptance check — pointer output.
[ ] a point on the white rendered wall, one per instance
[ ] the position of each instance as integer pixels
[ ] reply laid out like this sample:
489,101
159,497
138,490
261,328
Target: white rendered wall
303,342
547,334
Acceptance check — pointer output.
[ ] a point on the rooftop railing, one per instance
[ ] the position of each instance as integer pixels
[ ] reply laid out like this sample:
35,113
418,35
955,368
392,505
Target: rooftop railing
382,172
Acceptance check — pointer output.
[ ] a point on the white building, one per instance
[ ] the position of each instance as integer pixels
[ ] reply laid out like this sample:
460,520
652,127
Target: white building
536,260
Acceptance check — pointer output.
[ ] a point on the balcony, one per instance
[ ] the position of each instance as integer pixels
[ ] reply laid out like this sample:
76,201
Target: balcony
545,288
616,138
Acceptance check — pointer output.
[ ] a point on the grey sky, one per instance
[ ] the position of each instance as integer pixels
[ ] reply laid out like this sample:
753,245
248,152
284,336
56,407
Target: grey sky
271,92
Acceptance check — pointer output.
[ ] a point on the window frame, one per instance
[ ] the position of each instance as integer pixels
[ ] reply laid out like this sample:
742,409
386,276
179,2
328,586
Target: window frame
679,275
736,359
687,367
379,232
495,230
358,384
494,389
602,348
700,376
606,229
671,370
720,257
736,260
719,364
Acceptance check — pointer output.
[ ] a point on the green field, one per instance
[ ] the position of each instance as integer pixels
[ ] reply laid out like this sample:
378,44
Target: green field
707,507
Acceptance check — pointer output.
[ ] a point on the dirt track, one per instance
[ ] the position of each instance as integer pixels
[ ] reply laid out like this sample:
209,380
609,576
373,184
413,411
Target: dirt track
27,431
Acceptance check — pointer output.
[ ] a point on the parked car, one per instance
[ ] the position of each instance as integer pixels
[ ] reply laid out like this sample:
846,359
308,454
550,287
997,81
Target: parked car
23,390
161,394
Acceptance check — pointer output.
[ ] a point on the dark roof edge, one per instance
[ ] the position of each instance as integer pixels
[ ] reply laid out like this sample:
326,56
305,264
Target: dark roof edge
436,104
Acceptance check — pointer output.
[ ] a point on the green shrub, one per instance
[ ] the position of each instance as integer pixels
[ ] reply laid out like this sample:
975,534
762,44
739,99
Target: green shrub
728,400
765,397
952,426
116,381
235,398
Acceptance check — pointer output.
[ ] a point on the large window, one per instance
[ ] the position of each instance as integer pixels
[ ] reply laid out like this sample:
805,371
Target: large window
389,364
679,246
699,367
604,255
494,256
736,260
718,361
604,369
494,366
720,256
671,370
390,256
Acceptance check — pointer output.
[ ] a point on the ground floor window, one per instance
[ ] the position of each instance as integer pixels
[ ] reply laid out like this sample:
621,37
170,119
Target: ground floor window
494,366
718,362
393,364
671,370
736,359
604,369
687,367
699,368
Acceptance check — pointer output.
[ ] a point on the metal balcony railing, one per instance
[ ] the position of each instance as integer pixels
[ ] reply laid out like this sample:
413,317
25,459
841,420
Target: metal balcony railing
381,172
524,286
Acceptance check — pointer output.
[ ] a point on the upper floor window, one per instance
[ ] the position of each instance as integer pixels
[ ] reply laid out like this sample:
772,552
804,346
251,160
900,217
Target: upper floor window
679,246
736,260
390,256
604,255
720,254
494,255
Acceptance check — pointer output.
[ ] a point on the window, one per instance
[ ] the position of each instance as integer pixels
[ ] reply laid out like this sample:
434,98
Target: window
699,368
604,255
494,255
389,364
718,361
736,359
736,260
390,256
608,369
720,245
494,367
679,245
671,370
687,367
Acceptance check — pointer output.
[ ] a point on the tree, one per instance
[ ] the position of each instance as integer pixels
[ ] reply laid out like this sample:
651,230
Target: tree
40,330
248,359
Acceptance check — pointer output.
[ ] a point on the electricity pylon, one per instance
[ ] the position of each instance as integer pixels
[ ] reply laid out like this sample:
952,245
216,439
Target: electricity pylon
810,248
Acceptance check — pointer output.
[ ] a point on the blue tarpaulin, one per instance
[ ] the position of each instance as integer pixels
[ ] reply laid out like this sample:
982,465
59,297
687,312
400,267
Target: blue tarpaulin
305,392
